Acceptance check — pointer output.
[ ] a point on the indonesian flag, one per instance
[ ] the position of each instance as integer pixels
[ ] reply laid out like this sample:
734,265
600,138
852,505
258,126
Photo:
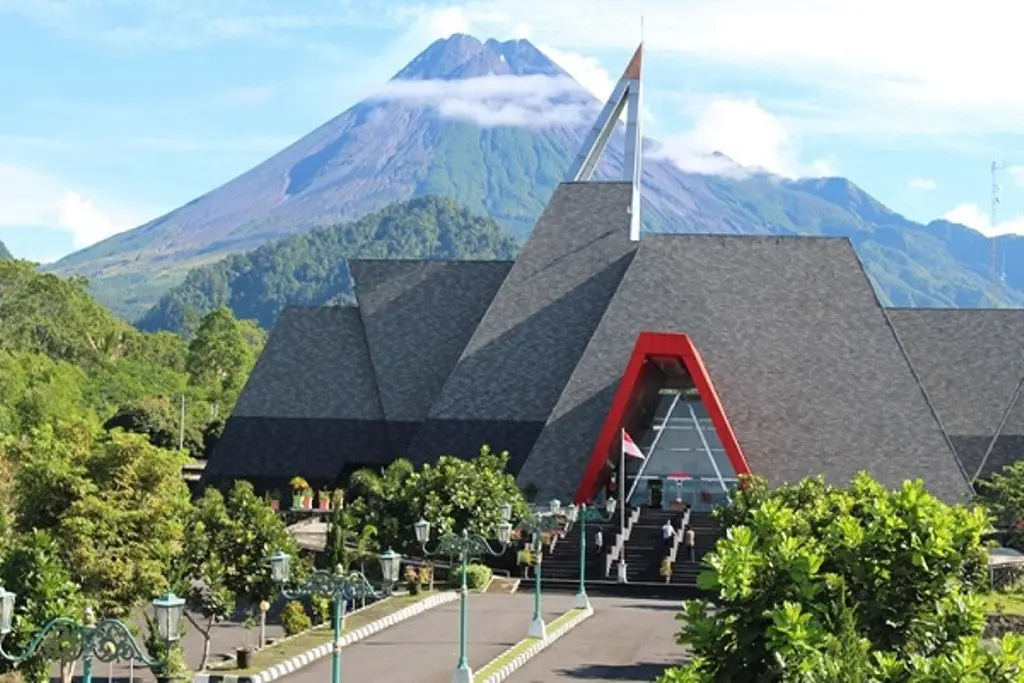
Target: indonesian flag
629,446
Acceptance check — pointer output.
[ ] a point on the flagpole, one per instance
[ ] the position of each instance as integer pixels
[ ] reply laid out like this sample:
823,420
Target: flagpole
622,505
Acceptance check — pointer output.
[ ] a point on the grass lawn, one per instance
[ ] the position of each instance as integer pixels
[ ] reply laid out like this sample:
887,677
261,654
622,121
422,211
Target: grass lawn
275,654
523,645
1007,603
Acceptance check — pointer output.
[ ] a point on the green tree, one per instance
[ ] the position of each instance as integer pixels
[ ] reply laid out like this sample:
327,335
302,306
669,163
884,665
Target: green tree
256,533
899,568
33,570
160,420
203,566
1003,495
116,505
454,494
222,354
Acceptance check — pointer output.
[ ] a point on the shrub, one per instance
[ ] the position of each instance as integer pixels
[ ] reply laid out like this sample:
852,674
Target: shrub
321,608
477,576
294,618
817,583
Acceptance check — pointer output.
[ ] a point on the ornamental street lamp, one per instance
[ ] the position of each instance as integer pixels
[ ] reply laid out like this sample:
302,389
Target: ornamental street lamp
583,514
538,523
466,546
338,586
108,640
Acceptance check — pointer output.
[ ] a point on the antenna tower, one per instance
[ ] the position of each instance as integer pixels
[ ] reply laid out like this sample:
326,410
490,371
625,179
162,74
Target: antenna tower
993,259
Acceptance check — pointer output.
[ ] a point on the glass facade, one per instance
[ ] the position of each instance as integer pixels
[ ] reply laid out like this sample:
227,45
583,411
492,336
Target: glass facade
686,462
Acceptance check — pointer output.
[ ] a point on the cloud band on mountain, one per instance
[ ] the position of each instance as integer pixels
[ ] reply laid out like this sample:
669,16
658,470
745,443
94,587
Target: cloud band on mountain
532,101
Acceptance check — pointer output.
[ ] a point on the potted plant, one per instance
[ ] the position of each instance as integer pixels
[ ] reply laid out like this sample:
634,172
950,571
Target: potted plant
300,489
525,558
666,570
412,580
323,500
427,576
275,499
243,654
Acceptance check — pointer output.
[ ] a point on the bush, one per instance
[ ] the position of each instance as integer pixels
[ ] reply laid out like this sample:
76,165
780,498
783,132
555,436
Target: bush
817,583
294,618
477,576
321,608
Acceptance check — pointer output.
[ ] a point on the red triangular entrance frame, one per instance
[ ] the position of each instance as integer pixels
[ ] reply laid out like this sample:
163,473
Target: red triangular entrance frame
658,345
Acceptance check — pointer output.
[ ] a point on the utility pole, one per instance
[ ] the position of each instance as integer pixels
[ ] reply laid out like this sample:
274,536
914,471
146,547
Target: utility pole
181,426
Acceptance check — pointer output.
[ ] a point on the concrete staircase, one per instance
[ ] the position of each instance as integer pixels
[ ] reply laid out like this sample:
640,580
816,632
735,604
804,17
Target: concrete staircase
563,563
685,572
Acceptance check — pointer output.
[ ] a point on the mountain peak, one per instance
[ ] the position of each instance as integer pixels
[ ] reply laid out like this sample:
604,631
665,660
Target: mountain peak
464,56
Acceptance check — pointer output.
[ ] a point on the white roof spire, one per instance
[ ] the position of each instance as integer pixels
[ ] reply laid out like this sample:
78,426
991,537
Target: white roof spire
627,96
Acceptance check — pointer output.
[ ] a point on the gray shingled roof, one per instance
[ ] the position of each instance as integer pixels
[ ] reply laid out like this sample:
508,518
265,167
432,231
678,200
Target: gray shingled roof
309,405
418,317
970,363
801,353
521,355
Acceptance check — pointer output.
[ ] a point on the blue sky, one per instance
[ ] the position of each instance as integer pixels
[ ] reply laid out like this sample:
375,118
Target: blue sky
116,111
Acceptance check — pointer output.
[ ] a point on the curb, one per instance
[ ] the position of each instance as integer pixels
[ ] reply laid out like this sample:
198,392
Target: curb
306,658
535,649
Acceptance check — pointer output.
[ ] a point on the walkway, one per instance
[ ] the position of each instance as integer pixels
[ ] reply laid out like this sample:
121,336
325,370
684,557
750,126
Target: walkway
627,639
425,649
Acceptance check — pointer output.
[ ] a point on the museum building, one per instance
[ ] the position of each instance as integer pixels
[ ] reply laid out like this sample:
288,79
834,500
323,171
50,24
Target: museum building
719,354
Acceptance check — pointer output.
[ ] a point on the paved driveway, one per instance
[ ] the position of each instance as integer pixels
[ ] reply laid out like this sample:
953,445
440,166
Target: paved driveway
425,649
626,640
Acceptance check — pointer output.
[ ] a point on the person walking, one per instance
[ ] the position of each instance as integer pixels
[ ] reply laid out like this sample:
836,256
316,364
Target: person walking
668,535
599,541
690,543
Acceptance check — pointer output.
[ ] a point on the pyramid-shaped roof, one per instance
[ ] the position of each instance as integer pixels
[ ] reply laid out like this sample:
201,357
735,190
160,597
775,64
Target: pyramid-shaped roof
809,374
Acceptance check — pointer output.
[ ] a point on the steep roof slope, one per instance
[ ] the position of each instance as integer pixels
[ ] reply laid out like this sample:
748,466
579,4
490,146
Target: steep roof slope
520,356
310,406
798,348
418,317
970,362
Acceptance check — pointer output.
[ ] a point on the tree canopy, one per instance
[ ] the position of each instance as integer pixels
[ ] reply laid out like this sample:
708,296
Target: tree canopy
453,495
814,583
310,269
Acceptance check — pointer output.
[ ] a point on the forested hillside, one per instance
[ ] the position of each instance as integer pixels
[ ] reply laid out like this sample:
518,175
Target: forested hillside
63,356
311,269
4,253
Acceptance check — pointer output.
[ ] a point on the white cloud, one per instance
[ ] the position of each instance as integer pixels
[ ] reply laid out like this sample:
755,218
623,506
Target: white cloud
1016,175
534,101
877,64
586,70
973,217
748,136
922,185
29,199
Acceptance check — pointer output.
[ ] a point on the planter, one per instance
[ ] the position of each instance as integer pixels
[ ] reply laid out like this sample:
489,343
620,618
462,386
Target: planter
243,657
275,505
297,501
324,504
307,502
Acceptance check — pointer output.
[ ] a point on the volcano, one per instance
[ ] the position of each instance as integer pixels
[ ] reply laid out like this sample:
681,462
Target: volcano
494,125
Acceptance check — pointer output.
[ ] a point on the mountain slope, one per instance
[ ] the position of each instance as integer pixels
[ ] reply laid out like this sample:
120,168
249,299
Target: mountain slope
4,253
311,269
391,148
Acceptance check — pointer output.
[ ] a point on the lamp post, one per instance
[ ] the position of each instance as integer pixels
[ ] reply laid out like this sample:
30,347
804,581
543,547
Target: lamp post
338,586
538,523
465,546
108,640
583,514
